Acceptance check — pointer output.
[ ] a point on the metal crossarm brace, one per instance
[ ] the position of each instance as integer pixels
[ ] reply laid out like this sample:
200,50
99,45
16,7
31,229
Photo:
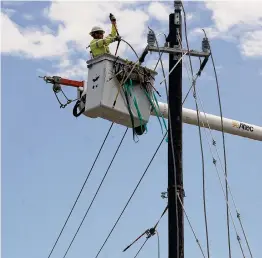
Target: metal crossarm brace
178,51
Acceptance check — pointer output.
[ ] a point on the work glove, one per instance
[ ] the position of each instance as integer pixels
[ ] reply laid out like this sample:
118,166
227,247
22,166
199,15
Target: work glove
112,17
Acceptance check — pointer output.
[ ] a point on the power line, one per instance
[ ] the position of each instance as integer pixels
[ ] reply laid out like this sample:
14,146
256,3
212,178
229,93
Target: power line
231,194
191,227
131,196
131,47
200,136
96,193
149,232
215,162
224,145
81,190
141,248
158,244
203,181
171,138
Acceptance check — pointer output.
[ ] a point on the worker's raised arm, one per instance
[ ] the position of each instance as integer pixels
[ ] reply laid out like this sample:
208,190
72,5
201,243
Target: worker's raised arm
99,45
113,30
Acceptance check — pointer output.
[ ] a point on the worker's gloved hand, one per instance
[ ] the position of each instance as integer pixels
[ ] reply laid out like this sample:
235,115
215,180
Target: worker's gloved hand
118,38
112,18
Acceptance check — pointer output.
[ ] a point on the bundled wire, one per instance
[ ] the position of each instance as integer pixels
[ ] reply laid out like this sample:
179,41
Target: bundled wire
199,132
173,151
101,183
149,232
130,198
192,229
81,190
224,151
126,74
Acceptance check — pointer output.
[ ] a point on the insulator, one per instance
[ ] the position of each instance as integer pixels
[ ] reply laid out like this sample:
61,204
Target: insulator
205,45
151,39
177,4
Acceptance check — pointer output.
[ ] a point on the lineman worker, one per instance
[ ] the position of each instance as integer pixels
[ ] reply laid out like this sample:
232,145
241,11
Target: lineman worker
99,45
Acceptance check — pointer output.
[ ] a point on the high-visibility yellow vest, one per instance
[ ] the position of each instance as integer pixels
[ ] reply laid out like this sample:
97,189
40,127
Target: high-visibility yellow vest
100,46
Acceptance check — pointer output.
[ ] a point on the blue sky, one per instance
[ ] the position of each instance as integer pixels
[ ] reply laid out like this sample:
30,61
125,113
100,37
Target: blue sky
47,153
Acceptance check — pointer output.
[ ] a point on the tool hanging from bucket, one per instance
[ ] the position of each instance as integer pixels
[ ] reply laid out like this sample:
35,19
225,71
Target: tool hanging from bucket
57,81
113,20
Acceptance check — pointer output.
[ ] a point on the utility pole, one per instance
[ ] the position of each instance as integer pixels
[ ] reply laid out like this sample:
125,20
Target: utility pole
175,171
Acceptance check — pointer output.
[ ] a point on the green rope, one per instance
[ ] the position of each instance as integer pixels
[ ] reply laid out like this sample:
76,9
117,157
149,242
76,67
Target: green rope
128,86
164,122
136,105
129,109
153,105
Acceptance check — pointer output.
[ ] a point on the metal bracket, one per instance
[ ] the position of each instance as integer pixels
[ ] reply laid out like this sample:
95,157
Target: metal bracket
150,232
179,51
164,195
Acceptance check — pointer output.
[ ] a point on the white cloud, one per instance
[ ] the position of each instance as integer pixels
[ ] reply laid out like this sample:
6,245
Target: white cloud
190,16
235,21
75,21
76,70
228,14
252,43
28,42
159,11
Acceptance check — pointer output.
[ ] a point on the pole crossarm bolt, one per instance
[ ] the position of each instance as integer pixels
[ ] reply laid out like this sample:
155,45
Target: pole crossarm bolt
164,195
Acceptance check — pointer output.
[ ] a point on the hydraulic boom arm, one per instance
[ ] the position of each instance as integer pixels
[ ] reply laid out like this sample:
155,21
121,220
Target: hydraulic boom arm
62,81
214,122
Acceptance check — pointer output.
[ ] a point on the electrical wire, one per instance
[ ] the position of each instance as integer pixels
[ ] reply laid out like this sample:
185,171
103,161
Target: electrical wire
228,185
101,183
214,162
225,157
200,137
162,52
180,59
81,189
149,232
130,47
191,227
131,196
141,248
172,142
224,145
214,143
203,175
158,244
